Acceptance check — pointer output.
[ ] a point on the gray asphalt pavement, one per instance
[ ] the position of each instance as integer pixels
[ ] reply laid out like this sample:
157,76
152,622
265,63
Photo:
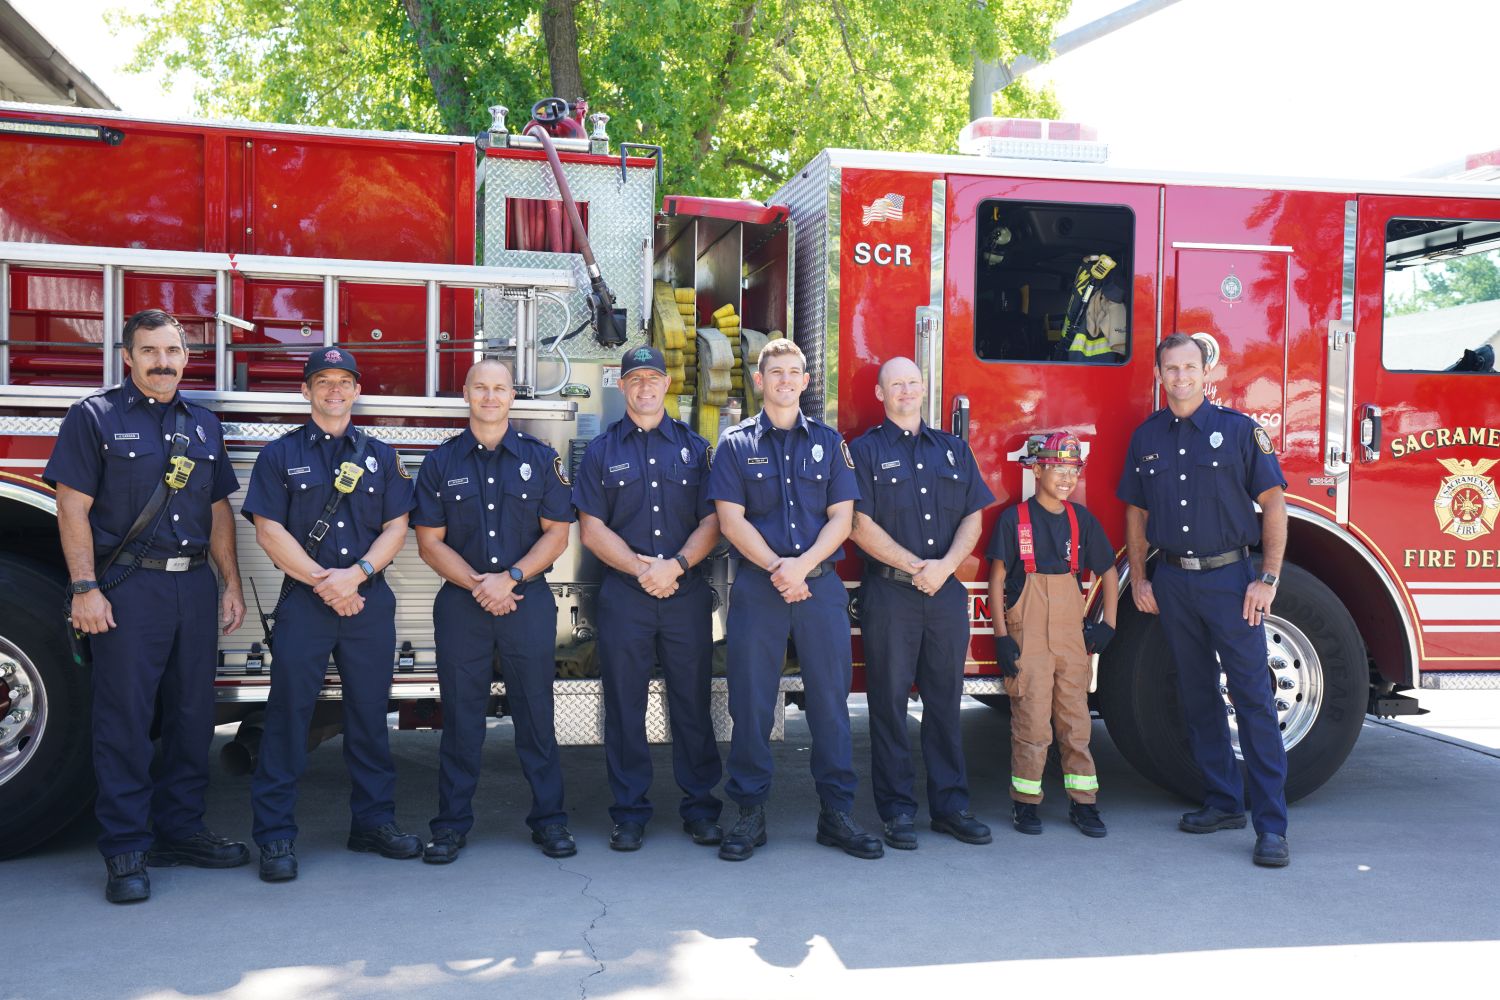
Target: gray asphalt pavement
1394,888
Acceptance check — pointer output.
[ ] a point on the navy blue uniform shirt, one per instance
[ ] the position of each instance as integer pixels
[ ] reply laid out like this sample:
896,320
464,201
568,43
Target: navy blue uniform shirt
1199,478
648,487
917,487
785,479
293,479
490,500
113,446
1051,543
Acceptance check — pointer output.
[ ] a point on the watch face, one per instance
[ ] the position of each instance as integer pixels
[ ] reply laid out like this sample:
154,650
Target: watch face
516,574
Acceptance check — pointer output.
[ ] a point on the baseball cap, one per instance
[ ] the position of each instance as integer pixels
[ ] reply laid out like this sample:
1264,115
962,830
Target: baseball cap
642,357
324,358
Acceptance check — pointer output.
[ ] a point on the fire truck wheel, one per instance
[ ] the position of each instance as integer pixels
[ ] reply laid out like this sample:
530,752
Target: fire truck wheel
1318,670
46,778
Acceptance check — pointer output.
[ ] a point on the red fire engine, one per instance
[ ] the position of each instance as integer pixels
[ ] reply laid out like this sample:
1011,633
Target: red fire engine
987,267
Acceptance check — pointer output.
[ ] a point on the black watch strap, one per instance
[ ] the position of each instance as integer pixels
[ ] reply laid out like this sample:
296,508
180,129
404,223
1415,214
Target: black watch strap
84,586
682,561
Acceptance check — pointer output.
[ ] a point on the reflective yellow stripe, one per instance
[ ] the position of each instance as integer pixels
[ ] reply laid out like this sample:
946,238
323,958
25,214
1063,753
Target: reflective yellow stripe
1080,782
1026,787
1089,347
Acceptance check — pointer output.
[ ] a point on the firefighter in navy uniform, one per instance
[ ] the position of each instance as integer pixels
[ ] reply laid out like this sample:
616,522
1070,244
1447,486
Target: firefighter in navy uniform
785,488
918,518
642,499
329,502
141,449
493,510
1192,476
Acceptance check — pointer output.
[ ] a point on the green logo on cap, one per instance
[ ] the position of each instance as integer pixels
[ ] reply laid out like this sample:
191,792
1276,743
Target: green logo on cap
643,354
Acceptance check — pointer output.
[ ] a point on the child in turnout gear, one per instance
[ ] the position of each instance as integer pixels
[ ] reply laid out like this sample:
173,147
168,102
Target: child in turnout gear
1041,643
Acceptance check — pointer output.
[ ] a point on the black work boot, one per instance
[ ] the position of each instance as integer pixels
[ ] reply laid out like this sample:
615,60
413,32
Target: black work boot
387,840
204,849
443,848
1271,851
555,840
962,826
128,881
1024,818
901,832
278,861
746,835
705,832
1085,816
837,828
1208,820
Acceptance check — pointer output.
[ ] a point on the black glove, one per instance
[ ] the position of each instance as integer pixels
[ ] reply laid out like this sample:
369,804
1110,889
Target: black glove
1096,636
1007,651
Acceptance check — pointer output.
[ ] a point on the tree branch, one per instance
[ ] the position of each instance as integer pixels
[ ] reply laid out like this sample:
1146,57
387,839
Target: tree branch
448,84
560,30
740,34
859,87
753,167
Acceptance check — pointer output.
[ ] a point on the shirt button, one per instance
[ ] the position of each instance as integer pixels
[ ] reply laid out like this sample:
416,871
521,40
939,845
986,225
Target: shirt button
684,482
893,479
166,437
492,480
1183,502
341,524
1182,476
760,475
658,530
622,482
304,486
653,484
788,480
1182,451
492,533
655,509
930,542
919,465
492,506
132,454
326,438
343,552
1184,527
184,541
1189,551
494,559
924,489
650,461
795,546
523,496
794,525
177,517
1216,463
927,517
820,475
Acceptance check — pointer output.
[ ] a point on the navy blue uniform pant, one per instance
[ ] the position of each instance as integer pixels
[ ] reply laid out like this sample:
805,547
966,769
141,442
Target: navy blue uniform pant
468,640
910,637
638,631
760,623
164,643
1202,613
363,648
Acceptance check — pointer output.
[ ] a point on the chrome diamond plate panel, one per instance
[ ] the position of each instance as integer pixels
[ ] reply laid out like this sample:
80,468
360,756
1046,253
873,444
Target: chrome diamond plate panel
579,716
395,436
31,426
1468,680
812,197
621,218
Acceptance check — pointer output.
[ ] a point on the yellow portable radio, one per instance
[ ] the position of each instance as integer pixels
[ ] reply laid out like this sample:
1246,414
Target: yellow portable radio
178,470
347,478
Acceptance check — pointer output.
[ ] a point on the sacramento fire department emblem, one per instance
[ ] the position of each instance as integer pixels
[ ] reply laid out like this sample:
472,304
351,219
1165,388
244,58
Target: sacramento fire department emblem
1467,503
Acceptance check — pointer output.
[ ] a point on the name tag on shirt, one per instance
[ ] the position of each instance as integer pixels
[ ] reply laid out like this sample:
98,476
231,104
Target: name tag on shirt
619,468
299,471
127,437
1149,458
459,482
890,465
757,461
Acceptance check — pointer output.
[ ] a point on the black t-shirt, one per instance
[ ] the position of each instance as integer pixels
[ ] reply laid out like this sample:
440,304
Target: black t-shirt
1050,538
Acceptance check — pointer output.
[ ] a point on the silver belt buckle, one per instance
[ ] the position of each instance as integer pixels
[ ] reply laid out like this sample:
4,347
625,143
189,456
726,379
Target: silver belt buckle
179,564
1190,562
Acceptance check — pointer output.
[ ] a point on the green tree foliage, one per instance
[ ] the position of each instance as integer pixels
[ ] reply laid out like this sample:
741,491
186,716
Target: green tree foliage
738,92
1457,282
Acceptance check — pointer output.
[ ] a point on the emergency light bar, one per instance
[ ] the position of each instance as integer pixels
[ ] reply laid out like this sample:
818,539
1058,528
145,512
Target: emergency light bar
62,130
1032,139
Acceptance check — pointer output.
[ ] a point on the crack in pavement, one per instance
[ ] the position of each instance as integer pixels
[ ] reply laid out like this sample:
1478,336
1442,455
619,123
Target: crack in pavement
588,881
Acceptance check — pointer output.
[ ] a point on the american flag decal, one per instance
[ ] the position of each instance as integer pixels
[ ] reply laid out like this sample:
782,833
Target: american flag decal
886,208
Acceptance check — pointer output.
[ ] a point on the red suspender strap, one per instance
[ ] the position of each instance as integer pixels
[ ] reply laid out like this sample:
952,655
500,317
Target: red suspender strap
1023,537
1073,530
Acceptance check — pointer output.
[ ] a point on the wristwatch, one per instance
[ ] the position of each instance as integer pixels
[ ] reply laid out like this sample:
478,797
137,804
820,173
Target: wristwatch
84,586
516,574
1269,579
682,561
364,564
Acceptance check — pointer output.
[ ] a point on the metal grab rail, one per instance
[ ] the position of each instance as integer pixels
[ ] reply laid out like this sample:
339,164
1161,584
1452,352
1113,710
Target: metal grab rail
524,286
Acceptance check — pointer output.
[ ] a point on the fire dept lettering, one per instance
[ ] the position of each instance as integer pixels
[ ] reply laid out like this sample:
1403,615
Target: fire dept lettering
1446,437
1467,503
898,254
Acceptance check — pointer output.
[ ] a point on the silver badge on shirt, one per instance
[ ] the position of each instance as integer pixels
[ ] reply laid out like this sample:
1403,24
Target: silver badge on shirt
371,464
950,458
687,456
1216,439
202,437
817,453
525,472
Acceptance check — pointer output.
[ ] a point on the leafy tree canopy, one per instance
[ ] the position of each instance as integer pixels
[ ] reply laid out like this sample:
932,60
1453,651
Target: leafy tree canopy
738,92
1456,282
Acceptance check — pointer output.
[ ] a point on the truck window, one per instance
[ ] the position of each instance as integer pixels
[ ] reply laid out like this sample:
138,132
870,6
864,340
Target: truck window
1442,295
1053,282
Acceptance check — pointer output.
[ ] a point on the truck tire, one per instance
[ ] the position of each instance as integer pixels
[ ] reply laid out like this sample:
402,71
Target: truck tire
46,773
1318,664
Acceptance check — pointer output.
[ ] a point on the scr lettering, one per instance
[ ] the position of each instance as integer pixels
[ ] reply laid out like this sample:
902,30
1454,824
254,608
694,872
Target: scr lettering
898,254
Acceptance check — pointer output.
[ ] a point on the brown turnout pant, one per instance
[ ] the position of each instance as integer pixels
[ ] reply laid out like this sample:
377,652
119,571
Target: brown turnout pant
1052,689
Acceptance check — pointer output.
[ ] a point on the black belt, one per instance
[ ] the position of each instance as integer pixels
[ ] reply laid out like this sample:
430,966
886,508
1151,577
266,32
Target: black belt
1207,562
176,564
819,570
891,573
